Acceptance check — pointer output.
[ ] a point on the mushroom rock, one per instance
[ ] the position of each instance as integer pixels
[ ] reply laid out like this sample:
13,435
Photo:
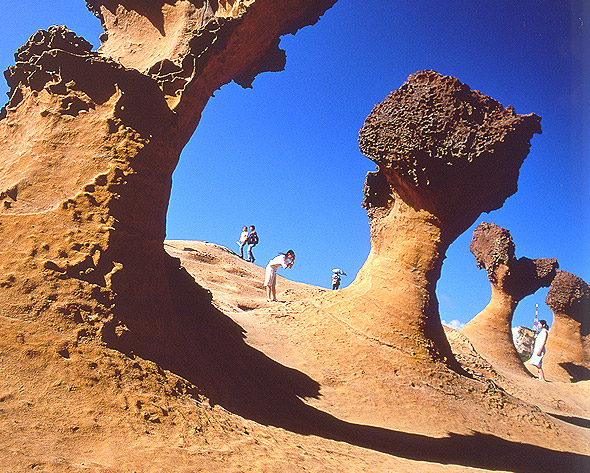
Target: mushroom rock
444,154
90,139
568,346
511,279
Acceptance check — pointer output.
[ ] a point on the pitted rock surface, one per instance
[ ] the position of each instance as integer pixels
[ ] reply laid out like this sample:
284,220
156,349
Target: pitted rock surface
569,294
136,360
431,133
493,247
568,345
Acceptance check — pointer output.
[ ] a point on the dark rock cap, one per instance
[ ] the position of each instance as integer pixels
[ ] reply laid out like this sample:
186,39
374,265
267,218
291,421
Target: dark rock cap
569,294
445,148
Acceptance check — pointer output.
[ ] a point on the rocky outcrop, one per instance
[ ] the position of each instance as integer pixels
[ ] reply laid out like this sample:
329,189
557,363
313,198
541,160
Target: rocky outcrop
445,154
89,142
511,279
568,346
524,341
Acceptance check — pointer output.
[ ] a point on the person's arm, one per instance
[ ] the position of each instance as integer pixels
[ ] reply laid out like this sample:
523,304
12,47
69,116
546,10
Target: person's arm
287,262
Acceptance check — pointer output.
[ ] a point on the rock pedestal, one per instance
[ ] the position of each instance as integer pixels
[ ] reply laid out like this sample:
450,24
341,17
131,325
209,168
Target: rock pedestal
568,346
511,280
444,154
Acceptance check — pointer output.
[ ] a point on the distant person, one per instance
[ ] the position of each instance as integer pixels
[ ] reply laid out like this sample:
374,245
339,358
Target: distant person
285,260
252,242
335,281
539,349
242,241
336,278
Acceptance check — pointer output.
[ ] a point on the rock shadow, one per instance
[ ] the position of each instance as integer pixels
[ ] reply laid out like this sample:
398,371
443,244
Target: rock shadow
200,343
574,420
478,450
206,347
575,371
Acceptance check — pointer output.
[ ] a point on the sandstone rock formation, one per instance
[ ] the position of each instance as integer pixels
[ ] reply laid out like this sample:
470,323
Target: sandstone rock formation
524,340
445,154
90,141
114,358
511,279
568,346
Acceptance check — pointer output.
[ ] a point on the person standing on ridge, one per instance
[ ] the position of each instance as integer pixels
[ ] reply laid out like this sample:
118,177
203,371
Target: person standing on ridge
336,278
285,260
539,349
242,241
252,242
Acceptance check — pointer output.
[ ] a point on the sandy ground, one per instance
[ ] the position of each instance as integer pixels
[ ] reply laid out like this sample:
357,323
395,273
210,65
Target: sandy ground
301,391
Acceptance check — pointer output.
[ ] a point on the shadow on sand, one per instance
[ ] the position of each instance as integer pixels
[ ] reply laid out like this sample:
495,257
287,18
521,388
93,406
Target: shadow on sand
207,348
579,421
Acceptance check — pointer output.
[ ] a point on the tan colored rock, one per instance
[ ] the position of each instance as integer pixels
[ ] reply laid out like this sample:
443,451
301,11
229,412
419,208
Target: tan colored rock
511,279
445,154
568,346
524,341
91,139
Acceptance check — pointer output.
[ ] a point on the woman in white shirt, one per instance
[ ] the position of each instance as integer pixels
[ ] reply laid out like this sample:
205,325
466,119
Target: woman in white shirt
539,349
285,260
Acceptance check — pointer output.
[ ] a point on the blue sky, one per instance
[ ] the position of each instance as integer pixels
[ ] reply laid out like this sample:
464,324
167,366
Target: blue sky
284,155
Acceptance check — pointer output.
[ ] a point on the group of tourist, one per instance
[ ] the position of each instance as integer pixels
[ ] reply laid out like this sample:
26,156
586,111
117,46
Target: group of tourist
250,239
284,260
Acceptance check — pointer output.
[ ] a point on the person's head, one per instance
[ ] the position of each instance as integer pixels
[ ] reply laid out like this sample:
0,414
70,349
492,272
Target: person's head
252,228
245,229
543,324
290,253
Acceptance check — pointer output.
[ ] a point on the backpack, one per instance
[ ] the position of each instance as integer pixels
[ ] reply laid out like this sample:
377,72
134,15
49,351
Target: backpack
253,238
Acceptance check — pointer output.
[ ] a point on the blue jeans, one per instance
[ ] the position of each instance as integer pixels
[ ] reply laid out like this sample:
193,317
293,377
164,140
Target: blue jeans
242,249
250,255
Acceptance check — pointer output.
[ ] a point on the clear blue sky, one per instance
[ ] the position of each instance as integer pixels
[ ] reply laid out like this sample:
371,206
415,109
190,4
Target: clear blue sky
284,155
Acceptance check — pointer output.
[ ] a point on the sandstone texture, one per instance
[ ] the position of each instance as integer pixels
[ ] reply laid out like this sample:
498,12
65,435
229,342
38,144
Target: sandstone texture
568,345
524,341
511,279
91,140
121,352
445,154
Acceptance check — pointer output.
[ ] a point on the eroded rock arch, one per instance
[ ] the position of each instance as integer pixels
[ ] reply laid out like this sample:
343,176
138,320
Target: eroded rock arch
91,140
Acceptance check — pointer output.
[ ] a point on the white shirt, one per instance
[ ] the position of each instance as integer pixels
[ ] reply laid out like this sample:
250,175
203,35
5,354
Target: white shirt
540,342
277,261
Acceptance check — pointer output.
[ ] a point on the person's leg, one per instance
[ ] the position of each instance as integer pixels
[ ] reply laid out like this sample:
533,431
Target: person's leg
541,374
250,255
242,251
268,293
273,290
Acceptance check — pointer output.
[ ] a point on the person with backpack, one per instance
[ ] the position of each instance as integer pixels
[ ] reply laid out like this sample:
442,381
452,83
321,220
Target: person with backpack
252,242
336,278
